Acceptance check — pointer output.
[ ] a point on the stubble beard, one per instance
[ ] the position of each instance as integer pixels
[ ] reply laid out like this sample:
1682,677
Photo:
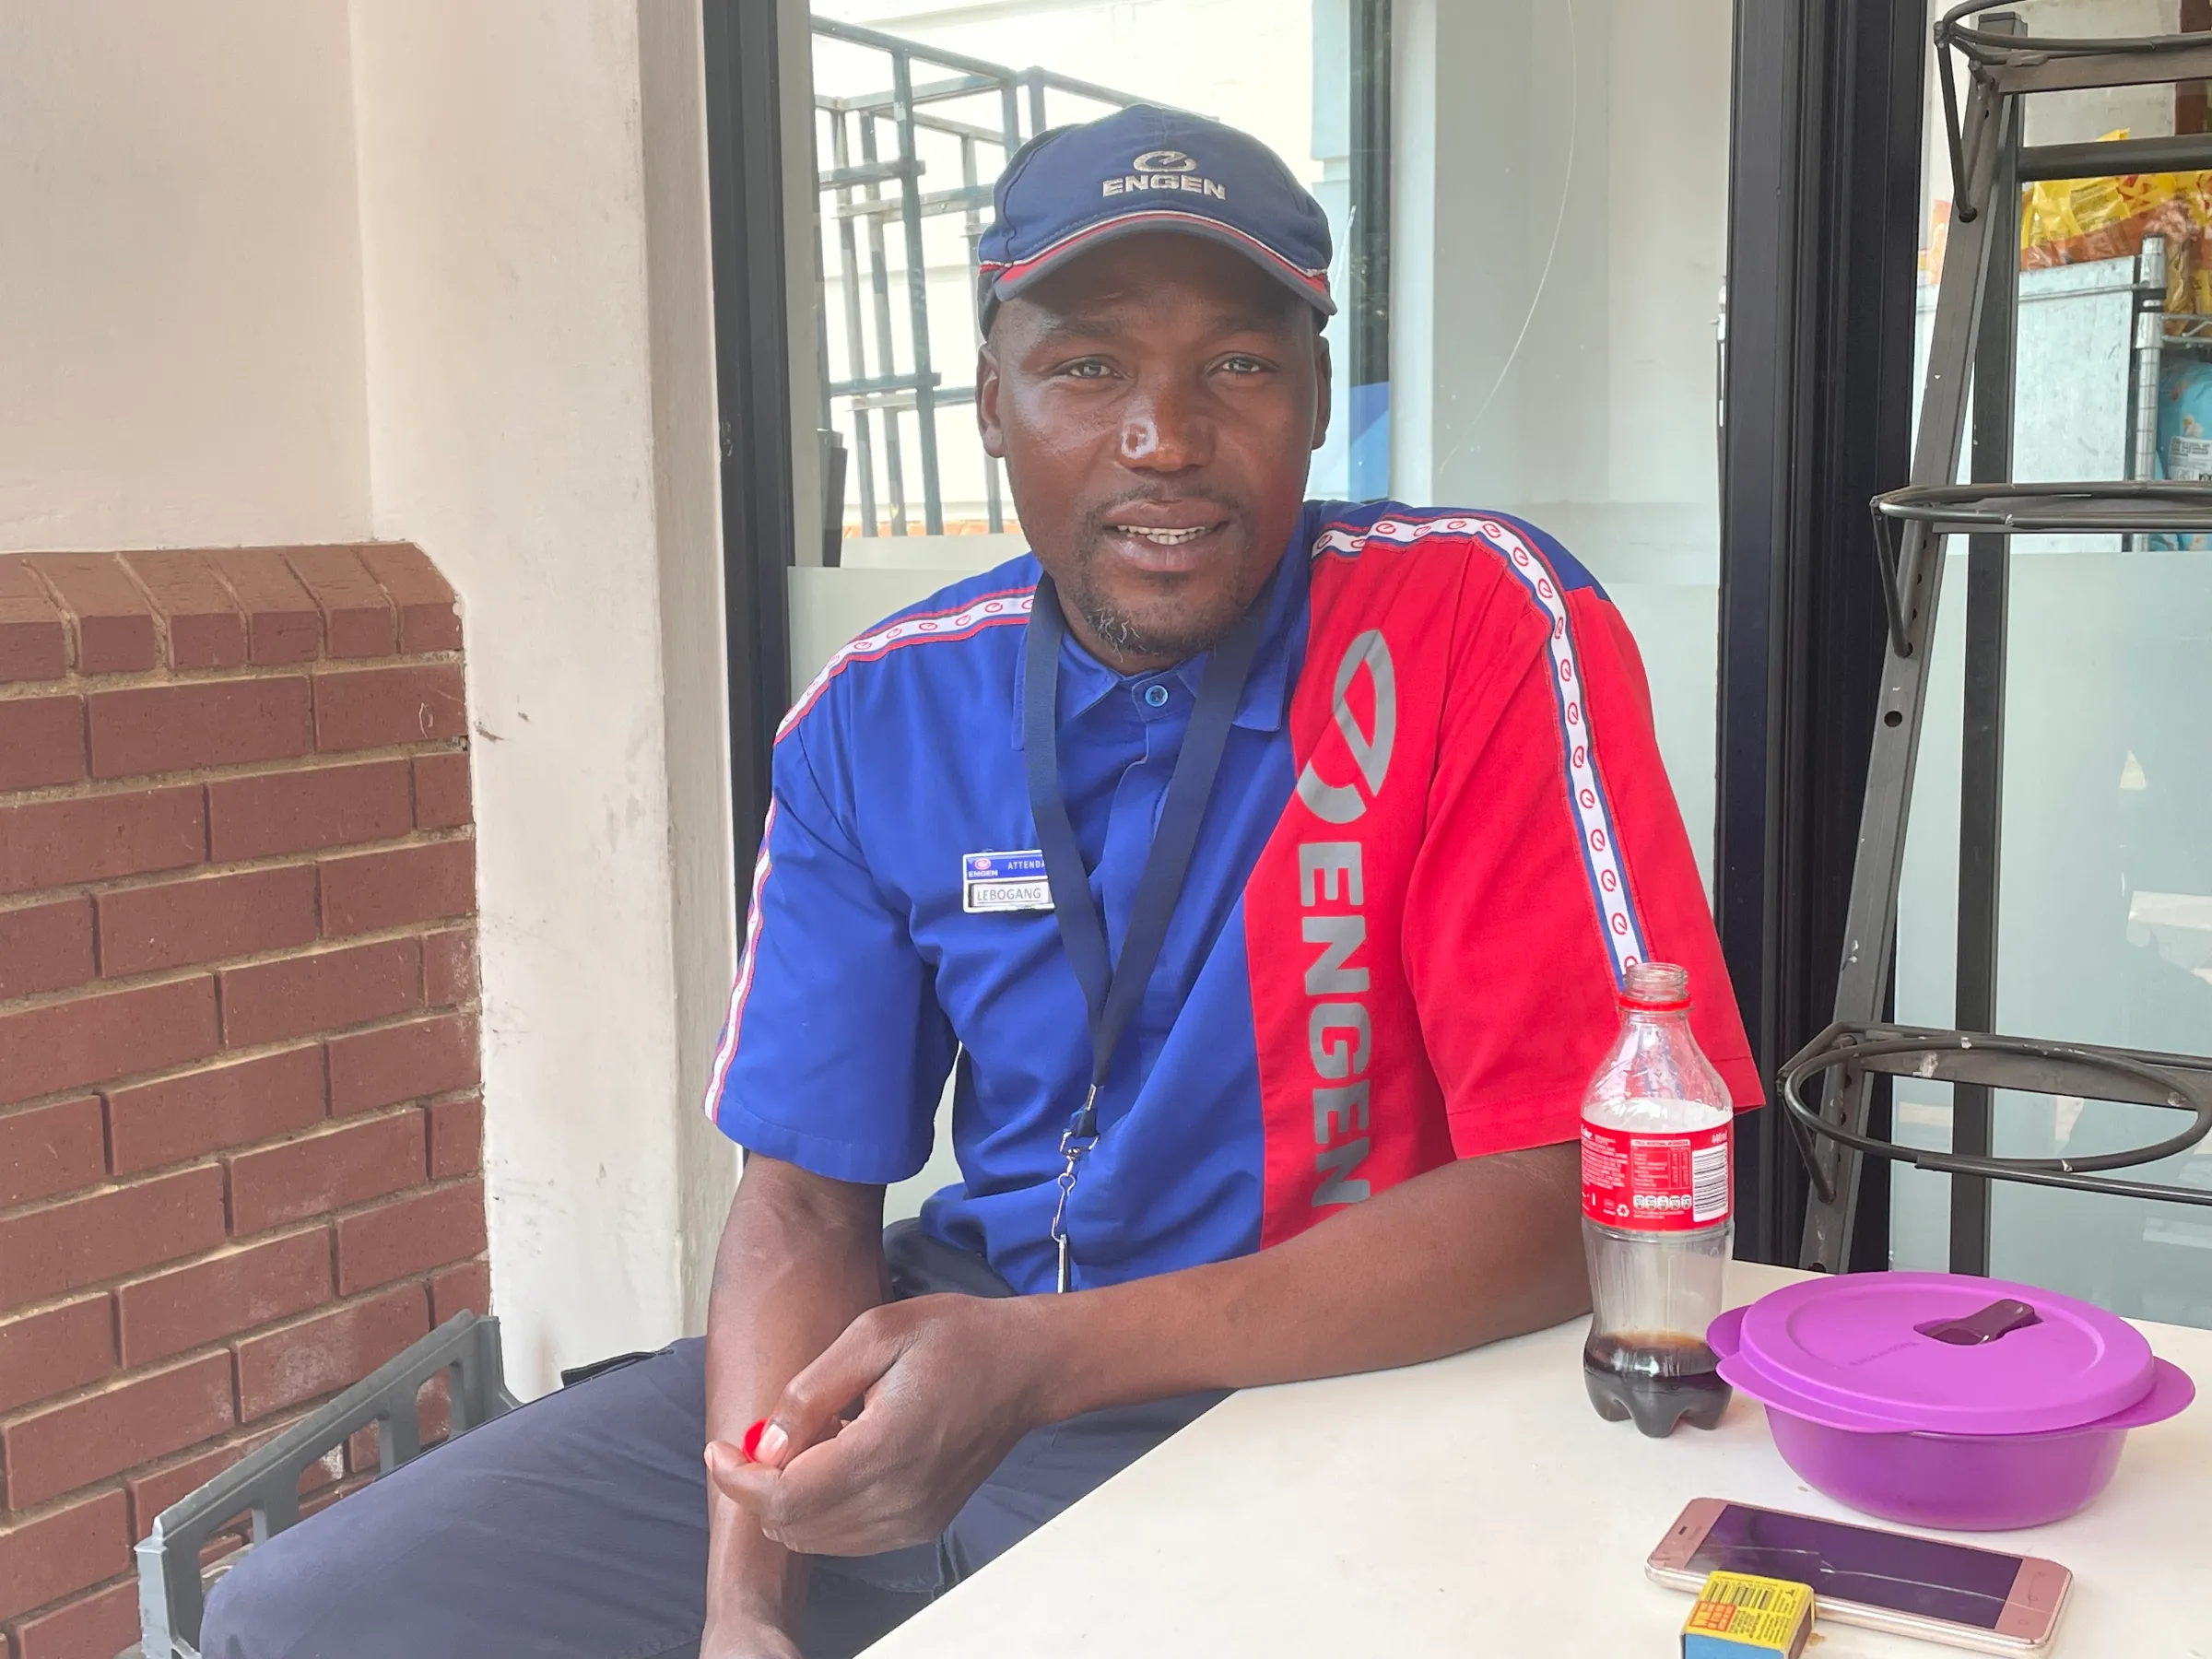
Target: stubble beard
1168,627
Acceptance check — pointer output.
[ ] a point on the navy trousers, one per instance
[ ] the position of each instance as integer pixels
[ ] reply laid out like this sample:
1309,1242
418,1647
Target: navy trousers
577,1525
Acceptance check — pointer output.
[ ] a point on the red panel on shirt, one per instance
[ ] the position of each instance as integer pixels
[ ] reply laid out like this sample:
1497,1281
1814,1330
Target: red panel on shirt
1474,737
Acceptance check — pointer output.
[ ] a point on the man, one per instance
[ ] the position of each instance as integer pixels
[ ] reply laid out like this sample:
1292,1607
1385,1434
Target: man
1263,872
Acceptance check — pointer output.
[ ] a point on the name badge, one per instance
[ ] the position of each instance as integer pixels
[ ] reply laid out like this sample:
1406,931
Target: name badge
991,882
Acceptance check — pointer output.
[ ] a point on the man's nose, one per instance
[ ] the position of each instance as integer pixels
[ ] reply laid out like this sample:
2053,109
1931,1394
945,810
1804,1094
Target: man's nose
1165,428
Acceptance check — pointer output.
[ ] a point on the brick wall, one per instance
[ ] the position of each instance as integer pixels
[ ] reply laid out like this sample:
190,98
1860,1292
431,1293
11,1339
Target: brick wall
239,1119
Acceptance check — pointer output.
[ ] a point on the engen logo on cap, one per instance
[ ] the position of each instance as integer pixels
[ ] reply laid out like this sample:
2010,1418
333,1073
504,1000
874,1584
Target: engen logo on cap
1071,189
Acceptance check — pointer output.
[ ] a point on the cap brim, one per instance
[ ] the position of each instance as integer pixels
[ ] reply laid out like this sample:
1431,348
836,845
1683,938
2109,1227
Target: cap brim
1011,281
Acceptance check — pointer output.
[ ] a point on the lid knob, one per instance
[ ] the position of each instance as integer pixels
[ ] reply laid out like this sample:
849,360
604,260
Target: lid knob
1999,1319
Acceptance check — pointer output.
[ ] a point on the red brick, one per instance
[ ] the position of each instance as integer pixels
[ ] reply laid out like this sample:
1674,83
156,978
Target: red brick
34,638
324,1172
95,1627
51,1149
53,844
202,622
302,811
326,992
370,708
441,793
449,968
54,1351
45,1251
283,622
393,1240
45,947
136,1422
325,1353
42,741
456,1138
402,1063
63,1551
151,1492
371,891
467,1285
205,919
202,1112
357,617
214,723
429,619
92,1039
206,1301
115,623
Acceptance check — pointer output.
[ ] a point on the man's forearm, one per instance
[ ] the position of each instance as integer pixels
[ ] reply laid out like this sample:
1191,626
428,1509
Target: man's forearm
1478,1250
800,1258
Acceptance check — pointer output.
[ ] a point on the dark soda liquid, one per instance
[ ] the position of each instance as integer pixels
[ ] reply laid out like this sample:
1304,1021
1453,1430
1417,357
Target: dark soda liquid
1658,1379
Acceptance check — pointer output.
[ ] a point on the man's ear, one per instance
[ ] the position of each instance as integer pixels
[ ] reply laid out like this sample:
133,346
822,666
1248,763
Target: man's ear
986,403
1324,388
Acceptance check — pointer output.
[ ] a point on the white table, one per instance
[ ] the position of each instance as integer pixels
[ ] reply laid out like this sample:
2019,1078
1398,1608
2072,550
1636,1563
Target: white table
1478,1506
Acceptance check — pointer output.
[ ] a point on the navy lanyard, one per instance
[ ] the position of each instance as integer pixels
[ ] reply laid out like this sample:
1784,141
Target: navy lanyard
1113,990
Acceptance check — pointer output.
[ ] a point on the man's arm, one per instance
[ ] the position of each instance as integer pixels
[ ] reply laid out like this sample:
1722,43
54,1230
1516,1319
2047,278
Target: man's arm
1481,1249
801,1258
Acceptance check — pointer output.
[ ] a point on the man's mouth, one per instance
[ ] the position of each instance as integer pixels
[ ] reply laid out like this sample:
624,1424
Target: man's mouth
1162,536
1168,537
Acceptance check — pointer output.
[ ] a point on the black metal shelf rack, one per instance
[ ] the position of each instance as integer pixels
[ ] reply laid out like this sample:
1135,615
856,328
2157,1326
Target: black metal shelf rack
1969,374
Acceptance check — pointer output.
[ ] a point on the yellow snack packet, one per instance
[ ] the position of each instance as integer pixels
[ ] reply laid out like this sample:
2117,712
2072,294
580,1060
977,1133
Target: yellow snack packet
1740,1617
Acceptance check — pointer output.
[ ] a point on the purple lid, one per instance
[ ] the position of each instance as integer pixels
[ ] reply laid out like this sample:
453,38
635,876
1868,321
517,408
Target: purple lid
1940,1352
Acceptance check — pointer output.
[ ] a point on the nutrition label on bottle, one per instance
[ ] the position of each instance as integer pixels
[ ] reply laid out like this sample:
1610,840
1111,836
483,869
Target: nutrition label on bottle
1655,1182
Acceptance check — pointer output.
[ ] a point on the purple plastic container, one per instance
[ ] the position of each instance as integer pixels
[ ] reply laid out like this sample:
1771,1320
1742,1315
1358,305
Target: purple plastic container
1947,1401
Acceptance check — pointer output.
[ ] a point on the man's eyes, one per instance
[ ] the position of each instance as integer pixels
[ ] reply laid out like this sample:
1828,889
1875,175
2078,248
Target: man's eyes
1098,368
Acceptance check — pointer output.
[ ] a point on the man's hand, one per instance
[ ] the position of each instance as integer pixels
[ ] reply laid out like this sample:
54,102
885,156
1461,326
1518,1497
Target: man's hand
1478,1250
944,1386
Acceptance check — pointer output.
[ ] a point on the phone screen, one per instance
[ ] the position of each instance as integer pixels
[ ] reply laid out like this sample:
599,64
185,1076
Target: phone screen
1857,1564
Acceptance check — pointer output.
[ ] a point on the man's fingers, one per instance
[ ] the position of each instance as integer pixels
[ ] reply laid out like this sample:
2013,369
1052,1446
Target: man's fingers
816,1399
827,1500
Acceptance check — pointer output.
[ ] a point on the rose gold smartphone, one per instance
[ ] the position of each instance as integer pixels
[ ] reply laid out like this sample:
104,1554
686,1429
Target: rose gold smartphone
1927,1588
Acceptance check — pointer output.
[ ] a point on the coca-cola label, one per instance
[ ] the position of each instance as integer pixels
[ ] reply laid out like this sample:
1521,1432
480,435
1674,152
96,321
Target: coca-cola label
1655,1182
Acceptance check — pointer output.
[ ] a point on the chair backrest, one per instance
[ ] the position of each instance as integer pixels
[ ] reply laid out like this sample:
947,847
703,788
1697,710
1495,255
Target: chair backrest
267,1483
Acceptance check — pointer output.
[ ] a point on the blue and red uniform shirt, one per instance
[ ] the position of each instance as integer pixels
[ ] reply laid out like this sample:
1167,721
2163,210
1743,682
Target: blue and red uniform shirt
1439,835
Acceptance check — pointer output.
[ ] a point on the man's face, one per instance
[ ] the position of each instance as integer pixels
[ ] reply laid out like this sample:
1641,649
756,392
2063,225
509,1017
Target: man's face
1156,404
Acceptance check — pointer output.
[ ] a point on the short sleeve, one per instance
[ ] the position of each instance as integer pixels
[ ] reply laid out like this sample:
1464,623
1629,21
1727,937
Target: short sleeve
835,1051
1554,857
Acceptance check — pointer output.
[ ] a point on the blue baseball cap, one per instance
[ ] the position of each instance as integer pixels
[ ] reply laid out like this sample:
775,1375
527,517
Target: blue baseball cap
1075,188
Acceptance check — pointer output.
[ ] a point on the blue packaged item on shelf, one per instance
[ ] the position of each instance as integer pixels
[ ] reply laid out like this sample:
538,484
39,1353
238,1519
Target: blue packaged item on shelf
2184,436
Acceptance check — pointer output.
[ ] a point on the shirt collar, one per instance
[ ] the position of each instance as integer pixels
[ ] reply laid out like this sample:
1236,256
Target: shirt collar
1085,681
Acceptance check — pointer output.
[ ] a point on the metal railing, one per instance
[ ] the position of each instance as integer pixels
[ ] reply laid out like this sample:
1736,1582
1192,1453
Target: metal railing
873,179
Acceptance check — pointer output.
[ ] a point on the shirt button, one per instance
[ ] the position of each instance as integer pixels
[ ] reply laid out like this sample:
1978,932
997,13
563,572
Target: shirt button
1156,695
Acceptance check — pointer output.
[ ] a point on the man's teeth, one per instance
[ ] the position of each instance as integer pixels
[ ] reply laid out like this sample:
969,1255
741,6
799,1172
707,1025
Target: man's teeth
1166,539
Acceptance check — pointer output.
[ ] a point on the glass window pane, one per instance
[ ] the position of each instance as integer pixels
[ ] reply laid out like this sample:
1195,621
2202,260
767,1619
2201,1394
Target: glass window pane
1561,209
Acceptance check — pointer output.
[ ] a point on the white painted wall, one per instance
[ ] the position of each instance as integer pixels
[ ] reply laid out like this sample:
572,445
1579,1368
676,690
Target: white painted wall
336,268
539,359
180,275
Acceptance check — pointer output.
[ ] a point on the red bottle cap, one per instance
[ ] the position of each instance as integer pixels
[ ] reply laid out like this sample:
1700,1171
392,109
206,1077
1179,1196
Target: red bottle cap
751,1443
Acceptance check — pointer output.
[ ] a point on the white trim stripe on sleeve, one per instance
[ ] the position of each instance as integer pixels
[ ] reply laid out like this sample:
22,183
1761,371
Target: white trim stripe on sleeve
743,983
1011,604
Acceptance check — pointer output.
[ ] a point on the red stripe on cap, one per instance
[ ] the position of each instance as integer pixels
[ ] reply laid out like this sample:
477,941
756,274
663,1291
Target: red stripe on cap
1316,280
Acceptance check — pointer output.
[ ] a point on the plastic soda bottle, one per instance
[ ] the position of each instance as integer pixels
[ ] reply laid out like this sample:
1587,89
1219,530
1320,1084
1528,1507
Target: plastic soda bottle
1657,1203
